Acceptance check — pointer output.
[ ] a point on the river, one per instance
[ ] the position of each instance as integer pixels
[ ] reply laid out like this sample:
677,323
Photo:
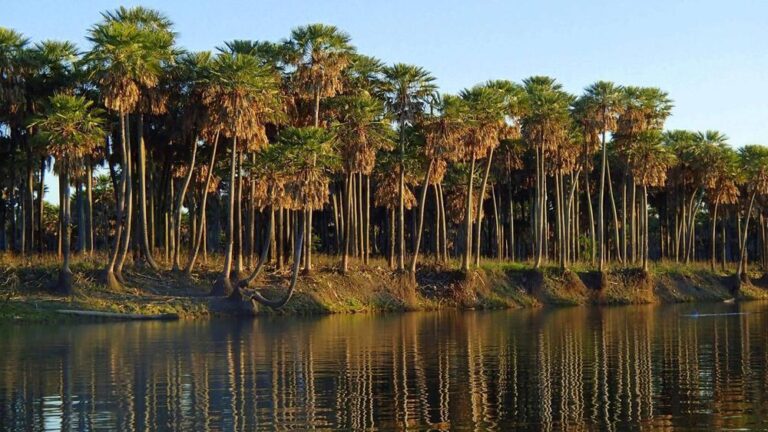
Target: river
678,367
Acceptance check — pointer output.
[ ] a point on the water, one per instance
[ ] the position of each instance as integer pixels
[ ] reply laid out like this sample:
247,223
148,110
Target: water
624,368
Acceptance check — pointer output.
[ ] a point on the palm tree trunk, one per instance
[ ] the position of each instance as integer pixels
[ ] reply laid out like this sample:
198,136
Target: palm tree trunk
119,220
202,232
444,223
615,215
238,271
223,286
180,202
601,206
128,213
591,212
713,258
468,218
144,228
367,251
348,231
645,228
422,204
392,239
89,203
65,274
741,272
41,207
511,234
480,207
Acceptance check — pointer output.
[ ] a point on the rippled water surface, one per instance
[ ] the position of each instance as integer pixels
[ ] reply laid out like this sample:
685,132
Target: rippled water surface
624,368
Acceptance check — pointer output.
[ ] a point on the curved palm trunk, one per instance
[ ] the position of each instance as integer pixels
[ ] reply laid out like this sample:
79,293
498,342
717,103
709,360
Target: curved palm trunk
144,228
601,208
270,233
223,285
468,218
180,202
201,231
120,222
422,204
615,215
128,214
278,303
478,227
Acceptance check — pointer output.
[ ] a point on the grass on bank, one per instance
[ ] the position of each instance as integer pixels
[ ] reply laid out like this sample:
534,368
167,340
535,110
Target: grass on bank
25,282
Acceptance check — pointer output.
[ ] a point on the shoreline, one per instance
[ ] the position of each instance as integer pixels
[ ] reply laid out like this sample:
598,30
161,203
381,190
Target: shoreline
495,285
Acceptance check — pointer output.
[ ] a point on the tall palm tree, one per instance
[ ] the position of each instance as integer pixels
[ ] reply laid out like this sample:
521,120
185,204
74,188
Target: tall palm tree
123,62
55,70
319,54
159,49
361,130
722,179
408,90
601,103
650,160
754,164
545,127
71,129
243,96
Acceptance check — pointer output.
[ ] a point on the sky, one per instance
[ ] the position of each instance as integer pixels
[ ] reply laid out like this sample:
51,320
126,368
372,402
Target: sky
710,56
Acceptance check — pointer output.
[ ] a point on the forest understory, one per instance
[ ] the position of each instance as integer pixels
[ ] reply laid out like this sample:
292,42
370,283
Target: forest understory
26,288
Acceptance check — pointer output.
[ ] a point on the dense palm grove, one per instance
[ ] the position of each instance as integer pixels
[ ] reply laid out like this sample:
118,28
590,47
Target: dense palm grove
270,152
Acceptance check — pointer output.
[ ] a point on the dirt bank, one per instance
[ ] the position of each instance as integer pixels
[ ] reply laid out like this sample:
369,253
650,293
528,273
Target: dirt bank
24,291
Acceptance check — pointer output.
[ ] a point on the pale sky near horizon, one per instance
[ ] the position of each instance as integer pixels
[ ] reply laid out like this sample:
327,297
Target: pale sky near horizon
709,55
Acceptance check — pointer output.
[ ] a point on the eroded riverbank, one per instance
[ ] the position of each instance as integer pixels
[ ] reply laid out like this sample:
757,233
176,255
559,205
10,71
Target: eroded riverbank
24,295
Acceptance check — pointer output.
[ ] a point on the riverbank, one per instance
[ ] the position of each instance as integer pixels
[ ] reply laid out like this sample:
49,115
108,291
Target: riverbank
25,295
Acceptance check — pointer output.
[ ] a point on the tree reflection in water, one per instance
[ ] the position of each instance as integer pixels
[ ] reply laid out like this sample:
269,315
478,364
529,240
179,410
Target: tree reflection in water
639,367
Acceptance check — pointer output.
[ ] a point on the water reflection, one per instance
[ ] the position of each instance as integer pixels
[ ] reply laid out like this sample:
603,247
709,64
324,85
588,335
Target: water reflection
629,368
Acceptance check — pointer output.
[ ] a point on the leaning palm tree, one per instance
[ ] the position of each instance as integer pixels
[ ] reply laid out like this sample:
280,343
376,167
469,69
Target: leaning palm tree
243,95
71,129
601,102
408,90
308,158
650,161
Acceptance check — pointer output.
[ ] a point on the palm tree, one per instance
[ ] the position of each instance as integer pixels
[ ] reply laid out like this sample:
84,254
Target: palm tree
642,109
601,102
545,127
319,55
408,90
722,181
243,96
361,130
443,136
754,164
649,162
308,159
54,70
71,128
123,62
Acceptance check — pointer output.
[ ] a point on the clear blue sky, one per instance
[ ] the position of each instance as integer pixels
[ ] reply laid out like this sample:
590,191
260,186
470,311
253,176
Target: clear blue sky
709,55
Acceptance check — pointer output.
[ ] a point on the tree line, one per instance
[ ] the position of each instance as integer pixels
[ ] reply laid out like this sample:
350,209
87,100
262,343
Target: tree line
269,152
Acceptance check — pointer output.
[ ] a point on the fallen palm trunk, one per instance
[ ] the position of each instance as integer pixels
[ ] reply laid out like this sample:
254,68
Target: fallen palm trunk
119,316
